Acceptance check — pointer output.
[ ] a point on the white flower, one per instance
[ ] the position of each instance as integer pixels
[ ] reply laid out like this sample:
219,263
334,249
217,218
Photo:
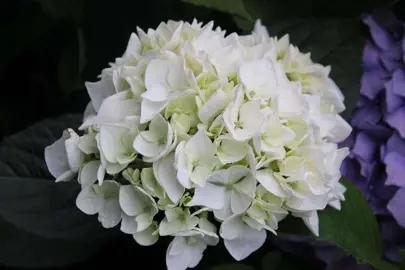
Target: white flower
64,157
88,173
243,120
177,220
240,239
290,103
229,150
195,160
157,141
273,137
194,122
228,192
166,176
139,209
103,200
261,78
88,143
165,80
184,252
266,211
148,236
115,144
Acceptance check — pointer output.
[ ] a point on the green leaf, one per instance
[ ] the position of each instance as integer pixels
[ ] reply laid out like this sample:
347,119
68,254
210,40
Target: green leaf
353,228
235,7
271,260
39,216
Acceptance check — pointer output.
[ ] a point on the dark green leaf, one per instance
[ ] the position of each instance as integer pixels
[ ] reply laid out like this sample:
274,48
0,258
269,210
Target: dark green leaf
21,249
71,10
232,266
353,228
235,7
36,206
271,260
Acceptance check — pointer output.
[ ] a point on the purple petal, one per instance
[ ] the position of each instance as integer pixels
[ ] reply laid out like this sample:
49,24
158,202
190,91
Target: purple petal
380,36
370,114
395,168
391,59
371,56
397,121
367,169
350,169
364,102
371,85
364,147
392,101
395,144
398,82
396,207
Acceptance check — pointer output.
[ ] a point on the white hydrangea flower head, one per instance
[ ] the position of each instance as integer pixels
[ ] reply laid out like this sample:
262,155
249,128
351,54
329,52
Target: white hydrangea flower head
191,127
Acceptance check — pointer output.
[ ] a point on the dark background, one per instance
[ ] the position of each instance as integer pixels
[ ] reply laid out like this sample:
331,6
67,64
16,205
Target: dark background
50,47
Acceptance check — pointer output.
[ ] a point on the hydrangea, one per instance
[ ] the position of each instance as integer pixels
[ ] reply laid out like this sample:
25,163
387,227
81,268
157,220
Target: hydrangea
376,162
209,130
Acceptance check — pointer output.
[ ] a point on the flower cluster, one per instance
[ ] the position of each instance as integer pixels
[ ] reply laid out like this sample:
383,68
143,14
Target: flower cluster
236,131
376,163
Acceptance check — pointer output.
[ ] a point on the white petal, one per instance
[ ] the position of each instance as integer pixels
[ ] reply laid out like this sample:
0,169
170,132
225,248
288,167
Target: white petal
134,46
231,150
99,91
143,221
180,255
232,228
340,131
312,222
241,248
214,106
240,202
157,93
89,201
89,111
56,157
170,228
210,195
144,147
111,141
267,179
251,117
156,72
226,211
65,177
88,174
110,214
128,224
200,146
183,172
130,200
88,144
117,107
74,155
165,174
147,237
149,109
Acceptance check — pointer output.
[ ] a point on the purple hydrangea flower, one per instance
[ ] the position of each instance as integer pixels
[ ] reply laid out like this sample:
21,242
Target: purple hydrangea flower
376,163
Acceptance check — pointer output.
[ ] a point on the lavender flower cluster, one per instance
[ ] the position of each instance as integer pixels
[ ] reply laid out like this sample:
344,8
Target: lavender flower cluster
376,163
